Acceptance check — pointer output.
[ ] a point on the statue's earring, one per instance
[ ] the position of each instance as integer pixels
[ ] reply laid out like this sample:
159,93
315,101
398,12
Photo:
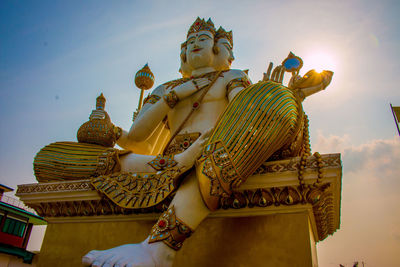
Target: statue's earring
215,50
183,57
231,57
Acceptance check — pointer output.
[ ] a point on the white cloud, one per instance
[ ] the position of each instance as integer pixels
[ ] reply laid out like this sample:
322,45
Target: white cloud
370,216
379,157
331,143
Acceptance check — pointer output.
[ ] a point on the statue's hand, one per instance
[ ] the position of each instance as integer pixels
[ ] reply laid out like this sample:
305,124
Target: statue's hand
312,79
191,87
201,82
293,80
312,82
187,158
326,79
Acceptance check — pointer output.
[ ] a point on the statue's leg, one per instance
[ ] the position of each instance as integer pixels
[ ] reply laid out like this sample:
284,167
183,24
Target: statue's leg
259,121
188,203
139,163
189,208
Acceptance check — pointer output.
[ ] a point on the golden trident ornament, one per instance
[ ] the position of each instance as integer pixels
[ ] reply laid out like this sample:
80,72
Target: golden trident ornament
144,80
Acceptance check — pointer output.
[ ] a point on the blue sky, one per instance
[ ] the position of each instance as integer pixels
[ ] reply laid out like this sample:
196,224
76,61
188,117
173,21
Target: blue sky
56,57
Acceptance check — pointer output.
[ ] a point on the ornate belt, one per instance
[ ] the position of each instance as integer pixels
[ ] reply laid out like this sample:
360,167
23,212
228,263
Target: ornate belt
181,142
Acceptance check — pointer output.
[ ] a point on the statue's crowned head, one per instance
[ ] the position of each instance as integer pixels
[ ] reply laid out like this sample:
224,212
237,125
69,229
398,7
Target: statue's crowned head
201,25
223,48
207,47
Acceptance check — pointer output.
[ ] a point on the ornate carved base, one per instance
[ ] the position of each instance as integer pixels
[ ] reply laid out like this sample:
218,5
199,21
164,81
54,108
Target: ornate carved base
270,219
279,240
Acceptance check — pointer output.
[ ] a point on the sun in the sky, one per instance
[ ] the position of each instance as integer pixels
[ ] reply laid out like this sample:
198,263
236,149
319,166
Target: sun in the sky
320,60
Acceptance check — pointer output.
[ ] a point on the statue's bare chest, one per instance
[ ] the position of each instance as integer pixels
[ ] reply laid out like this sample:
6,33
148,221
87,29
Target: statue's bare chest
217,93
213,101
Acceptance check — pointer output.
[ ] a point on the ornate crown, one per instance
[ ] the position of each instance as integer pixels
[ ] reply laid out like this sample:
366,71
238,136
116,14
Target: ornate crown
221,33
202,25
183,45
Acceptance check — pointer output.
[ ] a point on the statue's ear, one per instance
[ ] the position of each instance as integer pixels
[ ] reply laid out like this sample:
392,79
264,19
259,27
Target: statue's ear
183,57
215,49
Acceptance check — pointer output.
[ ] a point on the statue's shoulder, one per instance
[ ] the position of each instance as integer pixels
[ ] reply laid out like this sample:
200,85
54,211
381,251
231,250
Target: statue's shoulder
159,90
172,84
236,80
152,98
235,74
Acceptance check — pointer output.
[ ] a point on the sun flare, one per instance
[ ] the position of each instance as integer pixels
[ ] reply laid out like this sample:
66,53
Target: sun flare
320,60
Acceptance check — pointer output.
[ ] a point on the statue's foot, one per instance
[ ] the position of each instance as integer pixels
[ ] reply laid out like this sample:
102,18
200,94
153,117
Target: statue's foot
132,255
187,158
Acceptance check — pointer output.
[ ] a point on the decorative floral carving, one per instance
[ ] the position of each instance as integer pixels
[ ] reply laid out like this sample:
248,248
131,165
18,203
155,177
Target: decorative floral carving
88,208
330,160
320,198
78,185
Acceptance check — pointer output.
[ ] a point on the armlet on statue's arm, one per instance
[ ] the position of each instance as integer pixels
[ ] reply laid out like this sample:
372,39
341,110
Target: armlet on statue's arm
235,84
151,99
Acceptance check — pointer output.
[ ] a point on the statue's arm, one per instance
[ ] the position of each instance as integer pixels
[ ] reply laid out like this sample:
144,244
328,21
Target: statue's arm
149,118
237,80
143,148
152,114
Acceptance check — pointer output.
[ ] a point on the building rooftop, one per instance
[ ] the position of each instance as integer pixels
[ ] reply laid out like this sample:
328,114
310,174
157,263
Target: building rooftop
5,188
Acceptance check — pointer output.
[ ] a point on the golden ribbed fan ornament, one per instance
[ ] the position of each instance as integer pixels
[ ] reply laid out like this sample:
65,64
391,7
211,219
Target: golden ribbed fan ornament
144,80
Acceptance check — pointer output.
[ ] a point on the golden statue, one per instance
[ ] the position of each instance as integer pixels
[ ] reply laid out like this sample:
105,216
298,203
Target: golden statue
199,137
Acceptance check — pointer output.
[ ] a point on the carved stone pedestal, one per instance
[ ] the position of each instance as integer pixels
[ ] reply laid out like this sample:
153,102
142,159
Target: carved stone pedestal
270,221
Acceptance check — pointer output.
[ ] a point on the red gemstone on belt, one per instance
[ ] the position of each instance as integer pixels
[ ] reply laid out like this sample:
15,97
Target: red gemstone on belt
162,223
162,161
196,104
185,144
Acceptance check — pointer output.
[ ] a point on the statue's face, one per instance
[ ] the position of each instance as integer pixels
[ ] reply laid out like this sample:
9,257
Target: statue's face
224,58
185,69
199,52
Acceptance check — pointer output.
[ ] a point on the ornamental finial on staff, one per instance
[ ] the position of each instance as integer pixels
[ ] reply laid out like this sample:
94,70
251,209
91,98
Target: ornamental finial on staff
144,80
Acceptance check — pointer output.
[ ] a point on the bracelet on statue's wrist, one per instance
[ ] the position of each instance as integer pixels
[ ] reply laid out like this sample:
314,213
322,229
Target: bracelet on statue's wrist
171,99
195,84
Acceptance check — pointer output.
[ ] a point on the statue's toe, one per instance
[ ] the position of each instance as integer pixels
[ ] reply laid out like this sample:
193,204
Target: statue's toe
89,258
121,262
87,261
111,262
102,259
